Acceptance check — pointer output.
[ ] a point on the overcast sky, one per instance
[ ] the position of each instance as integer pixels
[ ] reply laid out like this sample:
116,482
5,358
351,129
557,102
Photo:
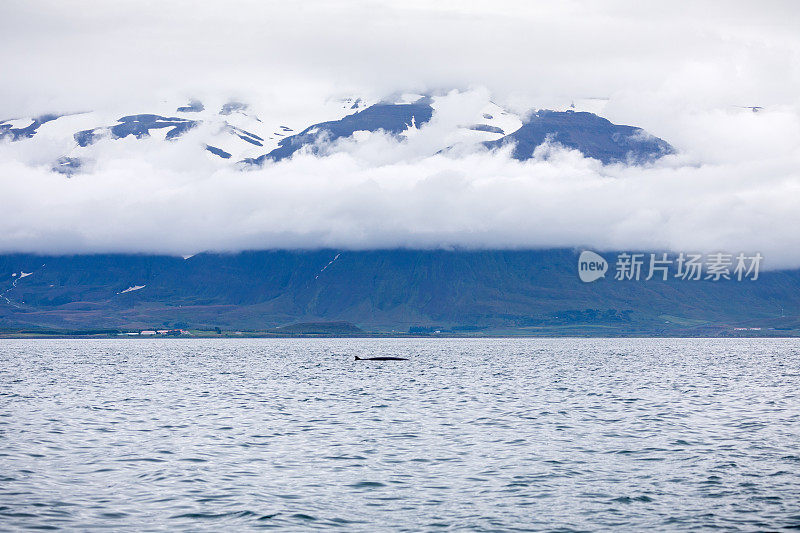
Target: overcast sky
677,69
694,53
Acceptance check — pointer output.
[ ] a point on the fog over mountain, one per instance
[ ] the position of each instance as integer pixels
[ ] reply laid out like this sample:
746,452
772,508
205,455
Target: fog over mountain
684,73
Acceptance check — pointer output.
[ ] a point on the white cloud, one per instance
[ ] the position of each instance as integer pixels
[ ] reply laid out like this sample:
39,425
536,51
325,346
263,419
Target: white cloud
106,53
677,69
141,197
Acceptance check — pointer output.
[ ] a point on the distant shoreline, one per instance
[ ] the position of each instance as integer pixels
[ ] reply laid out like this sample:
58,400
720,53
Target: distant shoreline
224,336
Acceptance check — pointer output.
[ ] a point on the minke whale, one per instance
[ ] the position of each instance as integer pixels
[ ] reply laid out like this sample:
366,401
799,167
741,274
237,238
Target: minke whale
381,358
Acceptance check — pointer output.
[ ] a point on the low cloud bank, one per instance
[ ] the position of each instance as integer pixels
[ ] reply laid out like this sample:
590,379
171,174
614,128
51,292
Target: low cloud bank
725,193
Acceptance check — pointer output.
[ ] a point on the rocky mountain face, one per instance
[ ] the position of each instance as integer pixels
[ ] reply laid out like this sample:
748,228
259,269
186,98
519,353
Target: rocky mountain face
234,134
493,291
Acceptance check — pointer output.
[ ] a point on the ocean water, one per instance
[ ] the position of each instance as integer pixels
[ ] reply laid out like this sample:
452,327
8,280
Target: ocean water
468,435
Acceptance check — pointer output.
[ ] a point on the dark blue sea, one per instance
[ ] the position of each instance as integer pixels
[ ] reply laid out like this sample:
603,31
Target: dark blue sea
467,435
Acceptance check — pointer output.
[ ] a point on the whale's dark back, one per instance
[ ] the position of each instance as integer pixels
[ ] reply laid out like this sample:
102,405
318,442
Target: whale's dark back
381,358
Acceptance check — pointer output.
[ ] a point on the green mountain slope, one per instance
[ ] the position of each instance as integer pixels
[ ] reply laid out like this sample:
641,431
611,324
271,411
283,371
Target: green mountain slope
514,292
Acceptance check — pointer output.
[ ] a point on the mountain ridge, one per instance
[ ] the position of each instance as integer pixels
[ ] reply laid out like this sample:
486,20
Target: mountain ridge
236,135
515,292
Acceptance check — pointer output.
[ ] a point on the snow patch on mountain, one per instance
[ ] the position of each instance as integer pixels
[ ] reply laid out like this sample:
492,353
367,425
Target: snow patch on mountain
132,288
327,265
232,132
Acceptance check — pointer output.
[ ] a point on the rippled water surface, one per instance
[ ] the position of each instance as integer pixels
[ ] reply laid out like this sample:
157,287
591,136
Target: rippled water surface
469,434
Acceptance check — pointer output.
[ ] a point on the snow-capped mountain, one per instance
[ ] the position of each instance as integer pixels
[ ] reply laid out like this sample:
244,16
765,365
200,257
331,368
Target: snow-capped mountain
234,134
